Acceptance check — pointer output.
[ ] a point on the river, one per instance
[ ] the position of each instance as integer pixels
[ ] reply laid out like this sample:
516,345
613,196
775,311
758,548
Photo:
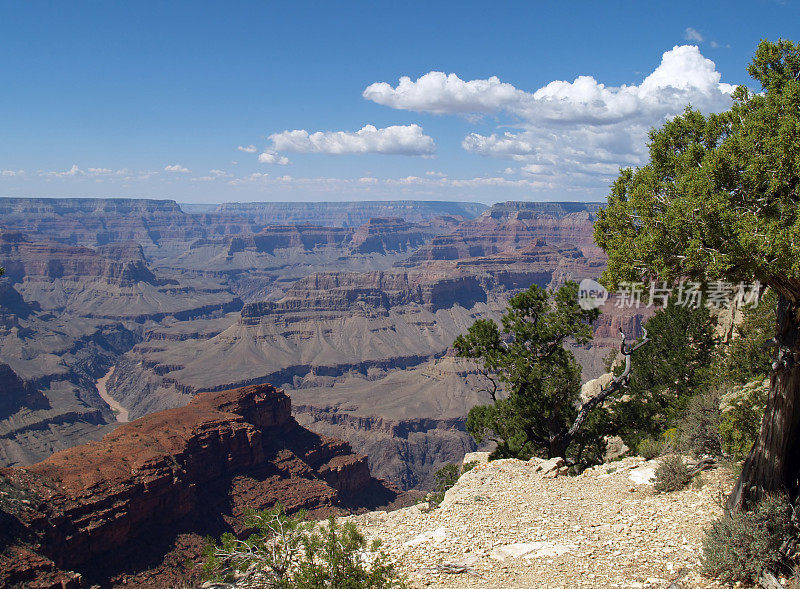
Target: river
119,411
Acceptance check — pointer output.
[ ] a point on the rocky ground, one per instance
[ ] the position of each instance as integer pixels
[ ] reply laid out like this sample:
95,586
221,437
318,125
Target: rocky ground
509,524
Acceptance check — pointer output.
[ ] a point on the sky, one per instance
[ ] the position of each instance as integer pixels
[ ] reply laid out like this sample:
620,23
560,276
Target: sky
208,102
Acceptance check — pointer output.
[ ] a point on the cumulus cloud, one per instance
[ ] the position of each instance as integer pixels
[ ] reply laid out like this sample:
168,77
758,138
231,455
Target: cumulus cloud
73,172
684,76
270,157
580,131
247,148
440,93
398,140
176,168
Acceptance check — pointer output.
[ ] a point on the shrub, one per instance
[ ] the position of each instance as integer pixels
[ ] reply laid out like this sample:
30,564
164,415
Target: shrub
699,429
671,475
446,477
339,556
668,371
742,410
468,466
649,448
740,546
287,552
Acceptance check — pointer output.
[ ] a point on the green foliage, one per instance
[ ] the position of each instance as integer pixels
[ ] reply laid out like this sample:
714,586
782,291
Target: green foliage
649,448
718,198
291,553
741,545
537,378
745,358
446,477
333,556
671,475
669,371
741,411
699,427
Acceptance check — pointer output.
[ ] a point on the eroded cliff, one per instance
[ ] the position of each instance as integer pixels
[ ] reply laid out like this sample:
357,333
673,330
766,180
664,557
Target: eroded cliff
99,509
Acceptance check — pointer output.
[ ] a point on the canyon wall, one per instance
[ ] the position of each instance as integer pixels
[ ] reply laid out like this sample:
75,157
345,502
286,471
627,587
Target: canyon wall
195,469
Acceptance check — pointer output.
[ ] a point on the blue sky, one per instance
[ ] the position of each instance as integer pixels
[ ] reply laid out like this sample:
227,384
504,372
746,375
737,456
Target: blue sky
242,101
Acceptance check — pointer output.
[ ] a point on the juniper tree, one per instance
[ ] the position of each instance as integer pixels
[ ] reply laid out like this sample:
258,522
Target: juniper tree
534,378
720,199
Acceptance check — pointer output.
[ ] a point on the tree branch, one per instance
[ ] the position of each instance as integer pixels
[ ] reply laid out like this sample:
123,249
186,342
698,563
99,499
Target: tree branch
617,384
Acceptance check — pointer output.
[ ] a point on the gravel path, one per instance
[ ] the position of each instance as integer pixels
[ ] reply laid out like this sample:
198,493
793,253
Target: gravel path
506,525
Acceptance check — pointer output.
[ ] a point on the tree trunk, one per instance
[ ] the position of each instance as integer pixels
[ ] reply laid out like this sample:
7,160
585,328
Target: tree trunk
558,448
774,461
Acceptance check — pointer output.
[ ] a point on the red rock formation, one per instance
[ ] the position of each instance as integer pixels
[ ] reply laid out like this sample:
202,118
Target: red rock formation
396,235
275,237
92,507
514,225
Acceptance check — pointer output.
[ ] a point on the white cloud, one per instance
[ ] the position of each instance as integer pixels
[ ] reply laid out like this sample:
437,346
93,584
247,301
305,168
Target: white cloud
219,173
436,174
684,76
693,35
248,148
176,168
574,133
12,172
439,93
270,157
399,140
368,180
254,177
71,173
506,144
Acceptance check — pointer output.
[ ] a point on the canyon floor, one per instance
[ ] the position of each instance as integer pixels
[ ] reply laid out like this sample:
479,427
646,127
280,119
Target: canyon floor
505,525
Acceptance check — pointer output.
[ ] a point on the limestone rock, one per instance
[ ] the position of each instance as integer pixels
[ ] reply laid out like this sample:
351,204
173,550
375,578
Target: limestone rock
476,457
643,475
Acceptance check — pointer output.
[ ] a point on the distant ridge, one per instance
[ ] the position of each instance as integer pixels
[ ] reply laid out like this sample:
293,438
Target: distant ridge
348,213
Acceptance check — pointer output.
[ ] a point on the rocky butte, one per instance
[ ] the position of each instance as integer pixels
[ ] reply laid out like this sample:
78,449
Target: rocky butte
134,505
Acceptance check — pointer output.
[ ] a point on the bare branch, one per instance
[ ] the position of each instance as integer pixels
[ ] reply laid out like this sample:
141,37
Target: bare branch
617,384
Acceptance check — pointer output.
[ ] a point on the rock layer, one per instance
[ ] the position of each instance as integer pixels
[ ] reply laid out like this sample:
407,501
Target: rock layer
192,469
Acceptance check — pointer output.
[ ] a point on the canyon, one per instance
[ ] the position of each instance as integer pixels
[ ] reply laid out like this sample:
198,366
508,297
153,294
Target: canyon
351,308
